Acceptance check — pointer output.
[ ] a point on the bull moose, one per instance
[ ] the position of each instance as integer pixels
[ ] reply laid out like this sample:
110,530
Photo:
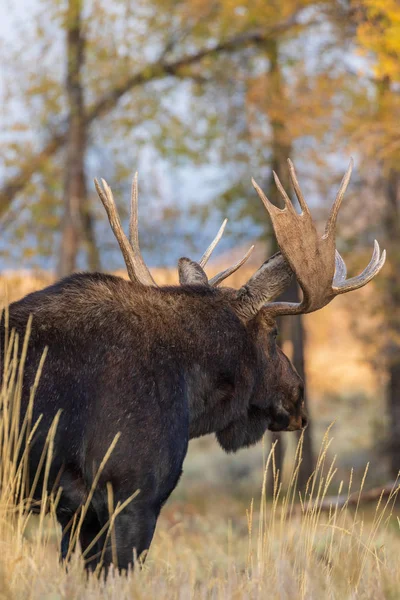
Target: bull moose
163,365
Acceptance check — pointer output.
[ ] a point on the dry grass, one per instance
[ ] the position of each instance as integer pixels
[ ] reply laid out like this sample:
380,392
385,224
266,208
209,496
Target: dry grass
285,548
276,550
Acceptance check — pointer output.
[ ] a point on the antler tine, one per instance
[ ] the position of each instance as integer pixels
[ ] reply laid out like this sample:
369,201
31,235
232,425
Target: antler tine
339,280
137,270
204,259
331,224
217,279
271,208
140,265
282,191
107,199
340,269
297,189
375,265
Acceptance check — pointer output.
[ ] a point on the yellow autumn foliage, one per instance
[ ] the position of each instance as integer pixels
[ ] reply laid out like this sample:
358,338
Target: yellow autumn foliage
380,33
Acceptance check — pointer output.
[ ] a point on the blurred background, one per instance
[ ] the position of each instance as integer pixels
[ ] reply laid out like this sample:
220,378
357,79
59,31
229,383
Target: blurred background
199,96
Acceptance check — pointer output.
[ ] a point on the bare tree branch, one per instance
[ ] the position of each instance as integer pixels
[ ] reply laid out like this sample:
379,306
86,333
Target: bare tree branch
109,100
390,490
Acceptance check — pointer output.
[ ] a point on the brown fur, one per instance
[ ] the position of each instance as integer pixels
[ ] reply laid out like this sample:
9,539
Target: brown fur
159,365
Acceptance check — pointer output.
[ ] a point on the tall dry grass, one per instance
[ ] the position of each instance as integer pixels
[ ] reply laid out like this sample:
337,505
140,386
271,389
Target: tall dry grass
285,548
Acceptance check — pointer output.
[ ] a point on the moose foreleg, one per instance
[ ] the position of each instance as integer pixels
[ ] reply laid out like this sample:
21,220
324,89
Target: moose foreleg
130,536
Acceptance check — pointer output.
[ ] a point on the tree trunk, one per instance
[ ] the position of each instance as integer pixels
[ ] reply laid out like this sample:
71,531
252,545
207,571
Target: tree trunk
392,241
291,327
298,359
75,193
391,223
87,221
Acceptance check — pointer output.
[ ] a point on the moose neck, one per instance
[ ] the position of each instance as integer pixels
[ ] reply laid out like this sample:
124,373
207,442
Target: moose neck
209,342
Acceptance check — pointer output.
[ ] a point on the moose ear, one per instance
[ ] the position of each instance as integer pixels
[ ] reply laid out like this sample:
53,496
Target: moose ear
191,273
271,279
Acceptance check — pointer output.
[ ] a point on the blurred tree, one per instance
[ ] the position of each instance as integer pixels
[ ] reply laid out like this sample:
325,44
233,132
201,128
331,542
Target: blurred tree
376,123
104,66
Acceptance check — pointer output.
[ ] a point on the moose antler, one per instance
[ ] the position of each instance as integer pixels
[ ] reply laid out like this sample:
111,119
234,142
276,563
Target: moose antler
136,267
317,265
219,278
205,258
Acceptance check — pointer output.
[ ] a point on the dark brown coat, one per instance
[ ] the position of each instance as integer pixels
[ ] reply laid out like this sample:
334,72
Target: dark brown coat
159,365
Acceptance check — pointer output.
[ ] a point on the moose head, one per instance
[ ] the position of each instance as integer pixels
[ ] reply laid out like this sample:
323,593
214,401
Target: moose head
275,390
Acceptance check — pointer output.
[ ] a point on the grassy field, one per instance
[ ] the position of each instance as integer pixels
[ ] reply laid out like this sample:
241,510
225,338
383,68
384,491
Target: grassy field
215,545
219,536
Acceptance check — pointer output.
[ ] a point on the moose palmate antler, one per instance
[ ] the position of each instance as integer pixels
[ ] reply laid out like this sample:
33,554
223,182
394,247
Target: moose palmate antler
317,265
